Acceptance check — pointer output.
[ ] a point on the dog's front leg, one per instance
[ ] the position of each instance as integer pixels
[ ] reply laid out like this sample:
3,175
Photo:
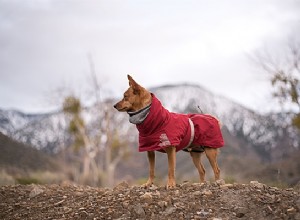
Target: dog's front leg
151,159
171,152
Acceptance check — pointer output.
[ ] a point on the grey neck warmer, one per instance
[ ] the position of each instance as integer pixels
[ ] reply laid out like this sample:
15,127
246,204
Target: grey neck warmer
139,116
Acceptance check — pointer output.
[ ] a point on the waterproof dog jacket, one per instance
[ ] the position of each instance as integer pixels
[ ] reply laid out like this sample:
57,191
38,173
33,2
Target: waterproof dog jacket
162,128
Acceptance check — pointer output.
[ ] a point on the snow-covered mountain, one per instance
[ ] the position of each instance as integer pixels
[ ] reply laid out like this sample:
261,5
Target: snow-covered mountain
265,132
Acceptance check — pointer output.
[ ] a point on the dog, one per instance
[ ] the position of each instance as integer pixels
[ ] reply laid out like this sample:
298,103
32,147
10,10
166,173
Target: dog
168,132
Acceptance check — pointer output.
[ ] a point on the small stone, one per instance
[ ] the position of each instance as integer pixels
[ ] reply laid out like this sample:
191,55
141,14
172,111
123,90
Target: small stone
197,193
240,215
125,204
207,192
226,186
186,184
156,193
240,211
177,192
273,189
291,210
170,210
35,191
147,197
121,186
139,210
162,204
220,182
202,213
153,187
256,184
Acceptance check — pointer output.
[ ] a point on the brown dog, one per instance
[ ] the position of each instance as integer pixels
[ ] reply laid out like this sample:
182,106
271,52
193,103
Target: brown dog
164,131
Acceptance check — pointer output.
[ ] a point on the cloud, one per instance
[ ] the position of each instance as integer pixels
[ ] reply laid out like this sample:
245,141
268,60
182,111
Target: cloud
46,42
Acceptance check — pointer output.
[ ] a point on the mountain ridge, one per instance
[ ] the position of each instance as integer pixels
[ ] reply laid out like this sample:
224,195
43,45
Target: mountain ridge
250,138
180,98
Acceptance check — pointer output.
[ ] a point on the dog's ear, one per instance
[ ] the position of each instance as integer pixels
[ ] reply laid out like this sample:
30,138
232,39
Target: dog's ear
136,87
131,81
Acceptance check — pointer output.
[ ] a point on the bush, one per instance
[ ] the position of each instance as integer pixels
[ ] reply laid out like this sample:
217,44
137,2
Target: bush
27,180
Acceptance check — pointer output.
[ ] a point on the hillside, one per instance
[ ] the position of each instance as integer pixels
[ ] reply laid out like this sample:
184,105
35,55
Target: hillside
18,162
218,201
19,156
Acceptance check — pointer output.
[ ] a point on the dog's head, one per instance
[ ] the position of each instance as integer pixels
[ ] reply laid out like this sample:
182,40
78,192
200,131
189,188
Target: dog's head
135,98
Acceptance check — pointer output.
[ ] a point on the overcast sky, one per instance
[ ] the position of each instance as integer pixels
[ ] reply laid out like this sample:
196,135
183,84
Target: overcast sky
44,45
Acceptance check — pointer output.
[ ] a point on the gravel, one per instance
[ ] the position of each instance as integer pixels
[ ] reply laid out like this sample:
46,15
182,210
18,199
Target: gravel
216,201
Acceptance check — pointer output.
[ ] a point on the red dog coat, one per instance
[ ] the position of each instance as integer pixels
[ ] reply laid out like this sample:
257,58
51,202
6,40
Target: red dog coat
162,128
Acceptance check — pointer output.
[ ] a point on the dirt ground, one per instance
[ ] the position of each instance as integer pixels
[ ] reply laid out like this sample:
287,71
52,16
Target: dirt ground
187,201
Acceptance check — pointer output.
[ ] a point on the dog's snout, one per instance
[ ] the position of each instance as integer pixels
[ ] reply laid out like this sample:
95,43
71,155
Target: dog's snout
115,106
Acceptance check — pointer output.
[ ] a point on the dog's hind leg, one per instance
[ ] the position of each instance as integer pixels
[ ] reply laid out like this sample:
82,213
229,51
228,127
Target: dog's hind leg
151,159
211,154
196,156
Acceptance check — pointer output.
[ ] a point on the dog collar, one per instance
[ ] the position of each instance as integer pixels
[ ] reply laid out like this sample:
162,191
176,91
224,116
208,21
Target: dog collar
139,116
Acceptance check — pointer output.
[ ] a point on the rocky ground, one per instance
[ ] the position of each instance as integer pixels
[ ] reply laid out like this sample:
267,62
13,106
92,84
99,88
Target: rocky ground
187,201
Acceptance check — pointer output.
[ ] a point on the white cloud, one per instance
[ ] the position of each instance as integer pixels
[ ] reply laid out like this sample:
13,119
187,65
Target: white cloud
46,42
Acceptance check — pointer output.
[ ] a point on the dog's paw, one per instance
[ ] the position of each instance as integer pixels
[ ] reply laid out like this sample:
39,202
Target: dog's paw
171,185
148,184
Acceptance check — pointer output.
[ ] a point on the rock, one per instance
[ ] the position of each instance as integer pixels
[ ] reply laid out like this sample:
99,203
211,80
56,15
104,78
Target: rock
162,204
139,210
207,192
256,184
240,211
197,193
226,186
35,191
153,187
202,213
156,194
220,182
291,210
121,186
240,215
170,210
125,204
186,184
177,192
146,197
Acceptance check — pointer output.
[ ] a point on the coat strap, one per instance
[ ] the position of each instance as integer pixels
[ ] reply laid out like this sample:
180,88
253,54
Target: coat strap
192,134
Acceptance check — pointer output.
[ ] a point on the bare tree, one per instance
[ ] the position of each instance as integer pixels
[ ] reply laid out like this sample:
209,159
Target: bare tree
284,75
99,144
112,150
72,108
